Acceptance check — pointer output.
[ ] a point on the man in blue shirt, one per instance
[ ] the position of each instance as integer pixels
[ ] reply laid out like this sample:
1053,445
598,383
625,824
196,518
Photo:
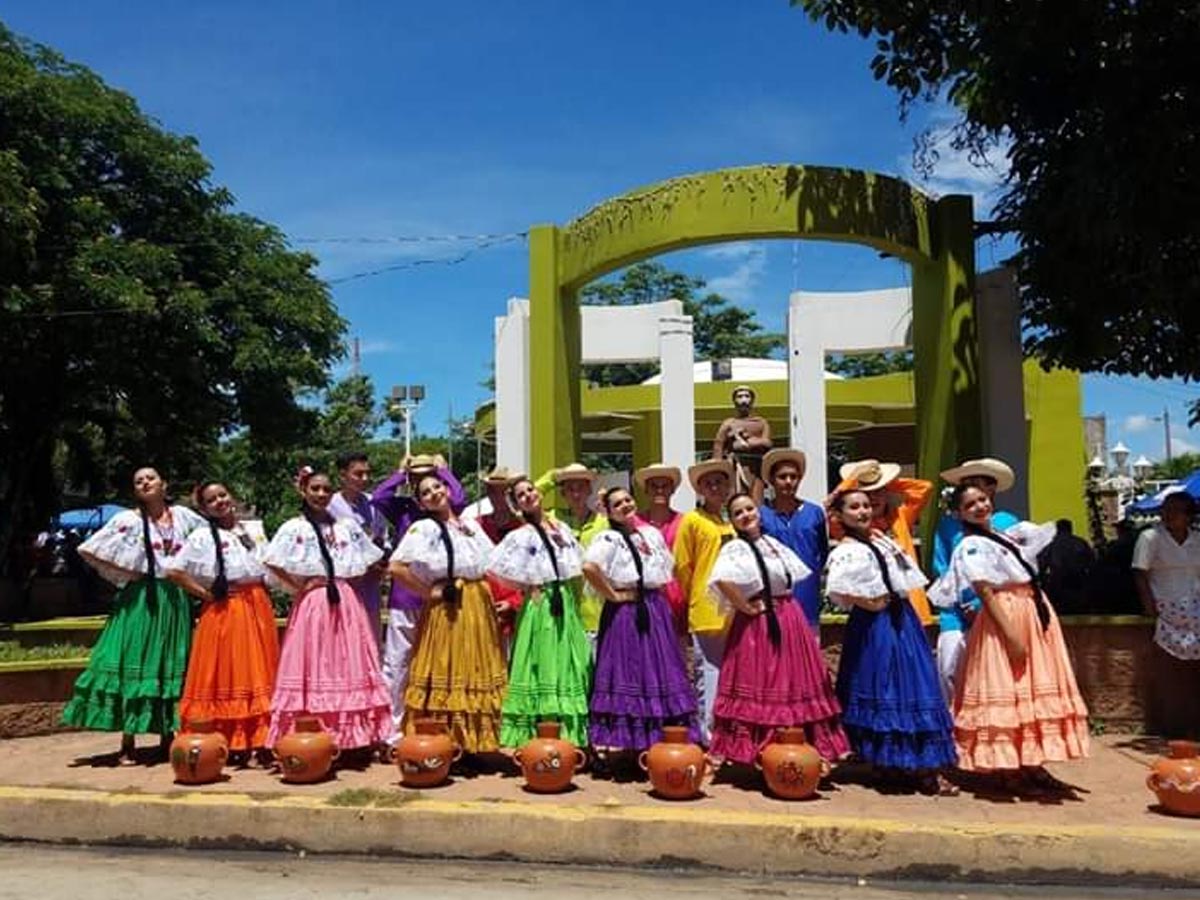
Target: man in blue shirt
798,524
990,476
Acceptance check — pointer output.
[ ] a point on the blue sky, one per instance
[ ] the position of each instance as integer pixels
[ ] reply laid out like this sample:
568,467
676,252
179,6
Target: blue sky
373,121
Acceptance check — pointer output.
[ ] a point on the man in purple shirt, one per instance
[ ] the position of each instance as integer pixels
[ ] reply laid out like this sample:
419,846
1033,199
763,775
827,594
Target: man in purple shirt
395,502
353,502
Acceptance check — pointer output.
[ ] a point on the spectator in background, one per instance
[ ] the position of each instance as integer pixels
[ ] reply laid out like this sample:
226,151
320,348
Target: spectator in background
1066,567
1166,570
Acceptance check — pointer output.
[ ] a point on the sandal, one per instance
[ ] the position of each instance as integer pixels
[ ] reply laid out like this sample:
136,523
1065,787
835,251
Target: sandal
935,784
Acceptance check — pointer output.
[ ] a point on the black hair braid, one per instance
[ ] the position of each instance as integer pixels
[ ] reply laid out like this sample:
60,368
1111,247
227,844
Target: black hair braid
556,599
1039,596
331,591
450,591
643,611
220,585
895,607
773,631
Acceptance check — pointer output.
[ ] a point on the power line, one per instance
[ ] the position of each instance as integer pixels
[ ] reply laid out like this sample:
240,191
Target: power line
440,260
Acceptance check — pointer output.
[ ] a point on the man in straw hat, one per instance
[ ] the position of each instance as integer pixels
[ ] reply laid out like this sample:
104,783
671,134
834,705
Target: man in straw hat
701,534
573,484
500,518
797,524
991,476
743,438
394,499
896,505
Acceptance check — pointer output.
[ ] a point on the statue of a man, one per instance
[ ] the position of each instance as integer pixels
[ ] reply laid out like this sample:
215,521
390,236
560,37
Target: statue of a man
744,438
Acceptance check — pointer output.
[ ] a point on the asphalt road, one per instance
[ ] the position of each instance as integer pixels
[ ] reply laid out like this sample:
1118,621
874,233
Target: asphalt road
50,873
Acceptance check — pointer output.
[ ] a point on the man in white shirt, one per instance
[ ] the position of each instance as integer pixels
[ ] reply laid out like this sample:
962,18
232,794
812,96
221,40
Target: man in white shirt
1166,570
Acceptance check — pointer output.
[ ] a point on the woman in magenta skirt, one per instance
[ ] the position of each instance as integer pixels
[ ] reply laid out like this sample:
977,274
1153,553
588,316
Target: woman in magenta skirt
773,675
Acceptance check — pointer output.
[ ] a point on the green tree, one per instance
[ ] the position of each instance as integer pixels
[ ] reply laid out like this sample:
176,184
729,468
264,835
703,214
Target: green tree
864,365
1097,108
719,329
1178,467
140,318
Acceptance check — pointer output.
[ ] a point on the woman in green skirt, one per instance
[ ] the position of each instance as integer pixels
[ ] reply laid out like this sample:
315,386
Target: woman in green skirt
551,670
135,674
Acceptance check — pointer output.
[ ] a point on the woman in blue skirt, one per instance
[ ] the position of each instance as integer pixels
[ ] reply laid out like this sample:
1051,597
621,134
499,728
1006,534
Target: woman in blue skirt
892,705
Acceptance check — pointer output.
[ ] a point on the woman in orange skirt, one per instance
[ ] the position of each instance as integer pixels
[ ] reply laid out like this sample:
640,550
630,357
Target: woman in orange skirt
1016,703
235,650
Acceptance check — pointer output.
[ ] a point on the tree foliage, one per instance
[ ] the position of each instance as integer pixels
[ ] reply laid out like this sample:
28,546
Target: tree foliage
140,317
1180,466
1097,106
720,330
865,365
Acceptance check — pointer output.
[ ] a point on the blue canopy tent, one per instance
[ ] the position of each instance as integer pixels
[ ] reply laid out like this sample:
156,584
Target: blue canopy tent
87,518
1153,503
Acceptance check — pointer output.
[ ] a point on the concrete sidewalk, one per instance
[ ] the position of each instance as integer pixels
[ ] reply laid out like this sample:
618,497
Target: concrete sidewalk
51,789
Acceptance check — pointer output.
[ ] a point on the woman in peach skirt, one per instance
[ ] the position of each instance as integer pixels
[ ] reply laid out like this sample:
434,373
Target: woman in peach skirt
1016,703
235,650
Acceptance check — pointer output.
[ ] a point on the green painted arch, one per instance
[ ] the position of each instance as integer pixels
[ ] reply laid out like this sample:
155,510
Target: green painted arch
935,236
753,202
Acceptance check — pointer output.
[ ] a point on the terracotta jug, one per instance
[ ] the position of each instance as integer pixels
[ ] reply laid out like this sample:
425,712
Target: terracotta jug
548,762
306,754
425,755
198,753
790,765
1176,779
676,766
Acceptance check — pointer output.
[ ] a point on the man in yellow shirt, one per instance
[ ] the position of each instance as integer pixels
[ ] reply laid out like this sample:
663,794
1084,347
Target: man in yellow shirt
697,543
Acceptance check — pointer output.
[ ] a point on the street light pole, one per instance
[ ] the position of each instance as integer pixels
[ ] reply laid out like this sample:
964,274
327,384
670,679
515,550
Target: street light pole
406,398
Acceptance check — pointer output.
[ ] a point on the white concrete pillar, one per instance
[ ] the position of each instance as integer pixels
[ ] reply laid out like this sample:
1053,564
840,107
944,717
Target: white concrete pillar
677,401
512,386
806,397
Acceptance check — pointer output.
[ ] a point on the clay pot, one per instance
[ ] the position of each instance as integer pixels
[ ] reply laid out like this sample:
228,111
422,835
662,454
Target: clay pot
1176,779
676,766
548,762
306,754
198,753
425,755
790,765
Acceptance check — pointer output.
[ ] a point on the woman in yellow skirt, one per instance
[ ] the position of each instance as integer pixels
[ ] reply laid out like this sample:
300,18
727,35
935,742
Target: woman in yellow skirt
457,673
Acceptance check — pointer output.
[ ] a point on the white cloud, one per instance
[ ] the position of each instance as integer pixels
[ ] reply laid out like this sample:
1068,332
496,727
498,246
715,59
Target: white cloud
1180,443
376,347
1138,423
740,284
956,172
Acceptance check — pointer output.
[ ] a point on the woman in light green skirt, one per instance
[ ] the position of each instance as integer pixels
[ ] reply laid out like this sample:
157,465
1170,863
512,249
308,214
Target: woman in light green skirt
135,673
550,675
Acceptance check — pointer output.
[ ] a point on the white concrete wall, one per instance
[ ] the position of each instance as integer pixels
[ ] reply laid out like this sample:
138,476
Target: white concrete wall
512,386
820,323
621,334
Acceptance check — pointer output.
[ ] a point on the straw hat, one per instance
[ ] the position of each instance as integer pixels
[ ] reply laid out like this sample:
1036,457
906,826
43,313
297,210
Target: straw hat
870,474
784,454
502,475
657,470
744,387
700,469
985,467
421,461
574,472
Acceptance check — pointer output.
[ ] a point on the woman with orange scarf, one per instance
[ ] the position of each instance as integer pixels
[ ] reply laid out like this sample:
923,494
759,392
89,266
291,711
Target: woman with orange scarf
896,505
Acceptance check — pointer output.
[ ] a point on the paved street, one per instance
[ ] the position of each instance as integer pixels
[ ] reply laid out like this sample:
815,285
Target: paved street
47,873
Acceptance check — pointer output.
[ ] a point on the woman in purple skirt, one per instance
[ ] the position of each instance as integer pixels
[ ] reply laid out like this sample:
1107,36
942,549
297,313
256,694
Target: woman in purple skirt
640,681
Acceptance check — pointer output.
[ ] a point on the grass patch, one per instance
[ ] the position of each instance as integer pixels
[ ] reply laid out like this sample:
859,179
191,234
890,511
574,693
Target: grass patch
12,651
370,797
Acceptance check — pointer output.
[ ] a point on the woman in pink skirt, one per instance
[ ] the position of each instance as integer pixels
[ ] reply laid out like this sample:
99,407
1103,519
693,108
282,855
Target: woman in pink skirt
329,663
1016,703
773,675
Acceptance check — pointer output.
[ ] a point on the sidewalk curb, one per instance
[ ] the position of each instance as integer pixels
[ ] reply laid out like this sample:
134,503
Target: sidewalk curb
661,836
